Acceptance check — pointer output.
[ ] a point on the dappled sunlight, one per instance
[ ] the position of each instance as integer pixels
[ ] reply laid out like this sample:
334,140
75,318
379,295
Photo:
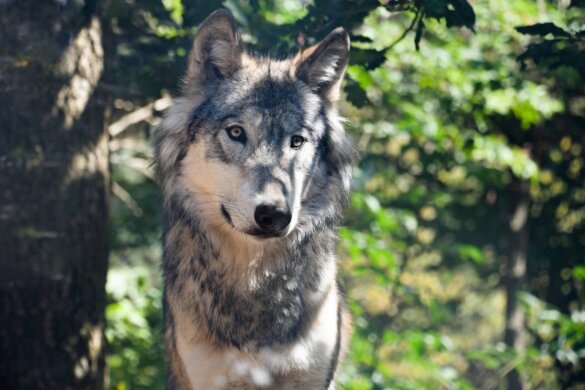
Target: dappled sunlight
82,63
89,162
86,365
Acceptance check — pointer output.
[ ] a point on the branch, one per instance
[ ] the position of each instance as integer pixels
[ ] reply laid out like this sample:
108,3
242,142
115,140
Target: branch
139,115
408,29
127,199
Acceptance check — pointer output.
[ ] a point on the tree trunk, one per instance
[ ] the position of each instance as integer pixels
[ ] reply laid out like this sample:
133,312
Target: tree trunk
515,274
54,187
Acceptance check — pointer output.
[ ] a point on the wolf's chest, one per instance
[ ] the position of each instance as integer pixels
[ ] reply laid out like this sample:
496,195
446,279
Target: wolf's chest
300,364
272,313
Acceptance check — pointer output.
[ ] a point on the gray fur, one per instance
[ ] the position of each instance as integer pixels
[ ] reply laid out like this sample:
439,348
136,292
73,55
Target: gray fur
274,303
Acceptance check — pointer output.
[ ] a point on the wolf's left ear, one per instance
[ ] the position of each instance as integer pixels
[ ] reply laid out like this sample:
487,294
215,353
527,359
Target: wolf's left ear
217,50
322,66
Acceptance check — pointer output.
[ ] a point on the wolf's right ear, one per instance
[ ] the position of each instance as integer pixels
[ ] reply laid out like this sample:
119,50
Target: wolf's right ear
216,52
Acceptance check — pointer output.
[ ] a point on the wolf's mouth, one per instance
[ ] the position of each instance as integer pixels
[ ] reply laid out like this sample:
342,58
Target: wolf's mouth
263,234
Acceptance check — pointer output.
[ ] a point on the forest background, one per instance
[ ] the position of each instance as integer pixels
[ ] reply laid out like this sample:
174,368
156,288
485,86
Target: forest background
462,253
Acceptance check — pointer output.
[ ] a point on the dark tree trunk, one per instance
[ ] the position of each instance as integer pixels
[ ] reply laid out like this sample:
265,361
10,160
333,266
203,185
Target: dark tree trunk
515,273
54,187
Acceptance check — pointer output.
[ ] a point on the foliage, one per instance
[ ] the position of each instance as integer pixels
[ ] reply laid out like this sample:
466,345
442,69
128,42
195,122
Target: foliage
562,49
134,332
449,134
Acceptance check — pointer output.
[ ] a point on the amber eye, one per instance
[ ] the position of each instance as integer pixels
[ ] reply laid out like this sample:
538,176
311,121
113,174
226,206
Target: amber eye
236,133
296,141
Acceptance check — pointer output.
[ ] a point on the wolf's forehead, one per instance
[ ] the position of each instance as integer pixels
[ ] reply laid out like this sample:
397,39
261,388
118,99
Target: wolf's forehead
261,94
272,98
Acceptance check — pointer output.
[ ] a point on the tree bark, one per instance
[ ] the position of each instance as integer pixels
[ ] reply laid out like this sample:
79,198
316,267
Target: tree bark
54,186
515,274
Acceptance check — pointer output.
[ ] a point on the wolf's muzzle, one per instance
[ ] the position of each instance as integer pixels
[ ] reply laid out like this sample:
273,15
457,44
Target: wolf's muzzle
272,220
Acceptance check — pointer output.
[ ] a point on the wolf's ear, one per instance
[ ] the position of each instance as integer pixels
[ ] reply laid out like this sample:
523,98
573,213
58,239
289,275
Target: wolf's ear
322,66
217,50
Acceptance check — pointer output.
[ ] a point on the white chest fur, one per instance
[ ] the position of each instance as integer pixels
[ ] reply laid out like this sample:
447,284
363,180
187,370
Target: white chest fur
304,364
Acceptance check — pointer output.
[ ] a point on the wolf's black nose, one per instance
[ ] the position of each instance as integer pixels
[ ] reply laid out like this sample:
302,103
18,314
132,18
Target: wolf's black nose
271,219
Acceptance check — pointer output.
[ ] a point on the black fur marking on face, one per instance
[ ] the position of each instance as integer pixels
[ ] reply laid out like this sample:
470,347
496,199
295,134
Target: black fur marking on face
227,215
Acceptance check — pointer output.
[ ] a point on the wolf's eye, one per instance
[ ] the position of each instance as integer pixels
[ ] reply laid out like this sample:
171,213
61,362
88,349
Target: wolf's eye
296,141
236,133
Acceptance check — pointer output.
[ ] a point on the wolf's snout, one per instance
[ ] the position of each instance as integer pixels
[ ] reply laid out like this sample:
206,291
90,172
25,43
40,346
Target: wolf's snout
272,219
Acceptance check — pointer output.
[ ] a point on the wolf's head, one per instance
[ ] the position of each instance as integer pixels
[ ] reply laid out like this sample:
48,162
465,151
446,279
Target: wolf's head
255,145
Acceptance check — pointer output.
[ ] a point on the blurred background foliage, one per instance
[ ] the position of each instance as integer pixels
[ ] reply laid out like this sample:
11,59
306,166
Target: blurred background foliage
462,254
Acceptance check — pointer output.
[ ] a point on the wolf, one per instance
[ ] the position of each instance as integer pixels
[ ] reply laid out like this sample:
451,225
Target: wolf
255,167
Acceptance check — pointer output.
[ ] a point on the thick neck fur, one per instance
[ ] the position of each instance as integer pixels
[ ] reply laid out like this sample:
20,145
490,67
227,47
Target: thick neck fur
244,292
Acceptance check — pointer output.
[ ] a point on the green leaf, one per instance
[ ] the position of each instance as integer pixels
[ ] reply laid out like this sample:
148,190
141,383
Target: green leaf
373,203
470,252
368,58
462,14
355,93
175,8
542,29
579,272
